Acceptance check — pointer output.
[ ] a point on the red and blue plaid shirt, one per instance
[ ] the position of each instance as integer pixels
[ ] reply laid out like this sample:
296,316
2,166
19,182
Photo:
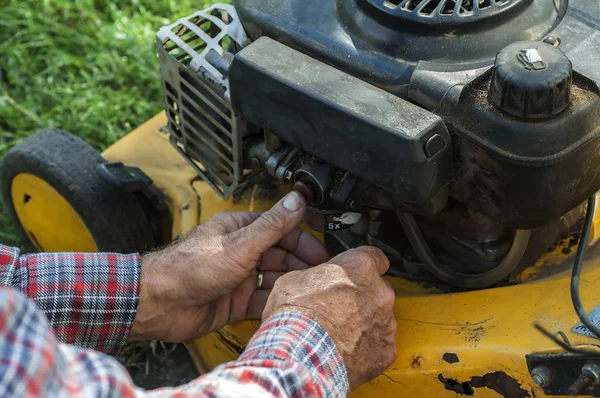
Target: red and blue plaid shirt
87,302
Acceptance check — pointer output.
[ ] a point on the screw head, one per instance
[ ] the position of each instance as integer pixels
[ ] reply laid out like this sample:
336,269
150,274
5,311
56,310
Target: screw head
538,380
541,376
554,41
591,371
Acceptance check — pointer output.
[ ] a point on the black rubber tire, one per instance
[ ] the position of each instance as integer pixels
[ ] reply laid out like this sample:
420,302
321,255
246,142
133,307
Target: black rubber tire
115,218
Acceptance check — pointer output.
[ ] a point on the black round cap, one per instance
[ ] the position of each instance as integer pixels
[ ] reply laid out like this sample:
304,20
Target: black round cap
531,80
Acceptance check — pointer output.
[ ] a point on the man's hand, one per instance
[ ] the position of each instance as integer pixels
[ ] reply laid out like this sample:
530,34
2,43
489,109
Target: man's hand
209,278
352,302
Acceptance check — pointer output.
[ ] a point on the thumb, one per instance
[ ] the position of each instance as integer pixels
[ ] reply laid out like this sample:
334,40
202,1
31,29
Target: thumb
272,225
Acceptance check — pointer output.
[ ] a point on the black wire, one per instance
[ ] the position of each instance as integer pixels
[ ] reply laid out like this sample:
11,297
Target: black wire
455,278
560,338
575,276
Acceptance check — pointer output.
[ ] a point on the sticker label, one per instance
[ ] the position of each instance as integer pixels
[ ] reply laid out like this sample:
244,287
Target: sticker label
582,329
335,223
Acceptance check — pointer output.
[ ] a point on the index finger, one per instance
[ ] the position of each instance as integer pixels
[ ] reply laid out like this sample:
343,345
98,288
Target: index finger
364,256
305,246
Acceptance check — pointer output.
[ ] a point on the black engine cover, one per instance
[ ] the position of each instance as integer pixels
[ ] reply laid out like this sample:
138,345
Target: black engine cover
346,122
439,54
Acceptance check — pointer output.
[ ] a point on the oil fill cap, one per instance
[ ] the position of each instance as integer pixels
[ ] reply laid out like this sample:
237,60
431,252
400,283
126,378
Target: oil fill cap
531,80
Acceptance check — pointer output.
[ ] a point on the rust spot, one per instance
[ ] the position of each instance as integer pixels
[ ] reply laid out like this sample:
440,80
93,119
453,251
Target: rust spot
450,357
475,335
463,388
502,383
416,362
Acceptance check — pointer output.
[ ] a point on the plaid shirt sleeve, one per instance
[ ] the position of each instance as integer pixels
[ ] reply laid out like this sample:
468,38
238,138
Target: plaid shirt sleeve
90,299
290,356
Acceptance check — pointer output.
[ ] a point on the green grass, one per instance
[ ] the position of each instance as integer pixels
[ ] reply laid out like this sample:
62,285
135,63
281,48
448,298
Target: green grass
86,66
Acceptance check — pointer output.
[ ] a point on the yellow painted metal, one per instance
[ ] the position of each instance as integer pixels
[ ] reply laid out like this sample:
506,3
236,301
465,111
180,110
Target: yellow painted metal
51,223
490,331
148,148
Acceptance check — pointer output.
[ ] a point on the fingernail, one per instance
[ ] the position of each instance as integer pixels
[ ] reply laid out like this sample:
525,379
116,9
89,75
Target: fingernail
292,201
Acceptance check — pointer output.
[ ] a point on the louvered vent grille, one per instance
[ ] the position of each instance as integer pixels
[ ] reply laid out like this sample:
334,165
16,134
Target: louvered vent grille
195,53
445,10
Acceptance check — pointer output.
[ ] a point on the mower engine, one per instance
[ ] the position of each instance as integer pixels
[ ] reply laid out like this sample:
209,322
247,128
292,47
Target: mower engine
462,137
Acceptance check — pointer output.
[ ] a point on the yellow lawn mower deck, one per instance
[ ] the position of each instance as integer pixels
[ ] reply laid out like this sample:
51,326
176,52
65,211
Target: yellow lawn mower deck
480,343
460,137
471,343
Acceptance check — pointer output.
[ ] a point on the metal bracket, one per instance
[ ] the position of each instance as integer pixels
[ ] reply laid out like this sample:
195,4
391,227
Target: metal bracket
565,373
126,178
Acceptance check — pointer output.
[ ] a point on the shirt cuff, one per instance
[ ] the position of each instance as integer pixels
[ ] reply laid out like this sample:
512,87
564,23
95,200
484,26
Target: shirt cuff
295,337
89,299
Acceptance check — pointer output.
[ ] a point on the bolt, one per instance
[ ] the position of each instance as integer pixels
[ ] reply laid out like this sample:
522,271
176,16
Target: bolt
490,250
538,380
591,370
589,377
541,376
554,41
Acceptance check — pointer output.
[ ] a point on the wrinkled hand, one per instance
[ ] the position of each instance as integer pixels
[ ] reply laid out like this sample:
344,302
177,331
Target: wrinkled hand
209,278
348,297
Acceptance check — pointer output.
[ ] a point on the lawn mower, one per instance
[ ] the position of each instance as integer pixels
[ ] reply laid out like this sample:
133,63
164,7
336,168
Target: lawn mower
462,137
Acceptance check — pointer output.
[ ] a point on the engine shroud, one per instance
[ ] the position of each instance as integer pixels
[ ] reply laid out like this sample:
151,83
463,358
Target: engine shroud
438,54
